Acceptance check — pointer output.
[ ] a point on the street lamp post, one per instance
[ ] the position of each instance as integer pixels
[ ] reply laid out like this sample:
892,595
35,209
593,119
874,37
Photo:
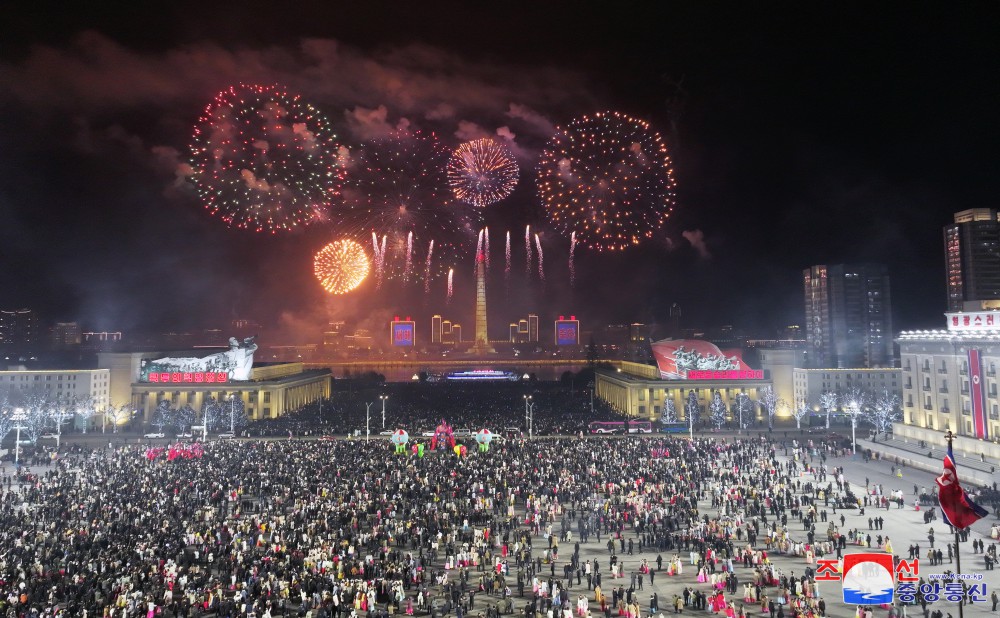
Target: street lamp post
853,406
529,415
18,417
59,420
232,413
368,420
383,398
591,385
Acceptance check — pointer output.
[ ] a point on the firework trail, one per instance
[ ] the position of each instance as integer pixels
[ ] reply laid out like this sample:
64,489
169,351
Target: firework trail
541,259
506,270
409,256
427,270
572,266
451,277
379,259
527,249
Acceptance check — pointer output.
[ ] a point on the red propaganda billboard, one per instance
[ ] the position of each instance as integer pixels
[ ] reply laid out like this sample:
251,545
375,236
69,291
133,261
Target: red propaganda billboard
693,359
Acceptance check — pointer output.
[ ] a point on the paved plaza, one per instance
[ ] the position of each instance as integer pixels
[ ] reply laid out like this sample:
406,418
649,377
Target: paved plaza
904,527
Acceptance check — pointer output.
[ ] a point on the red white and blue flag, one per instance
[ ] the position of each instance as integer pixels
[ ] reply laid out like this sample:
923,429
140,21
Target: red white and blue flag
977,393
958,508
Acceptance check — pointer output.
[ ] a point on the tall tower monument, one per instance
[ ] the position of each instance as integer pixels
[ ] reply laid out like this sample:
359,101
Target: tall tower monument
482,344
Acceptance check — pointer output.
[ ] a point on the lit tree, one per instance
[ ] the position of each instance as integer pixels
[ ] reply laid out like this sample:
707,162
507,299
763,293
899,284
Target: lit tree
234,413
118,415
85,409
184,418
884,412
718,409
854,401
770,403
669,412
58,413
163,415
211,415
35,410
692,409
6,414
801,411
828,401
744,407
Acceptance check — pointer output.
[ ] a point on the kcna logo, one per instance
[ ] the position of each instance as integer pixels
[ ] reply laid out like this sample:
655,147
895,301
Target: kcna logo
869,580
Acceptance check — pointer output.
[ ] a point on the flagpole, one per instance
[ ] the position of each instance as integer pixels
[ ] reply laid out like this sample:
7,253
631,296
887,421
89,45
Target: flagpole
958,558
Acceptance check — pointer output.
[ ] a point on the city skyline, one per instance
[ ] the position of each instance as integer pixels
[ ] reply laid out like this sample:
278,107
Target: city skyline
807,141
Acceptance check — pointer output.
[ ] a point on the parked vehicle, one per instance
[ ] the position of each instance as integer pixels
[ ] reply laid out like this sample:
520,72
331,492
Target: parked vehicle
620,427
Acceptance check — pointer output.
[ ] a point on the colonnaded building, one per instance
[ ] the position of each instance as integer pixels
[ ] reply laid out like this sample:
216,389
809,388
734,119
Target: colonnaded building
682,367
266,391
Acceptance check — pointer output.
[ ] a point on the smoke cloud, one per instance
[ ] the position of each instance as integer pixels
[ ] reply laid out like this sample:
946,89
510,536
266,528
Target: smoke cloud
697,240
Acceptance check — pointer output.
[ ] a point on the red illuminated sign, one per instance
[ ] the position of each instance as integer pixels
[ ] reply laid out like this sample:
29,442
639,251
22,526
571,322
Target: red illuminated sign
744,374
402,332
978,320
211,377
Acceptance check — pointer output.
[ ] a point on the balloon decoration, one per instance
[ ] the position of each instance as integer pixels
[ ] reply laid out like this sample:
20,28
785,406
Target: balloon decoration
400,438
443,437
484,437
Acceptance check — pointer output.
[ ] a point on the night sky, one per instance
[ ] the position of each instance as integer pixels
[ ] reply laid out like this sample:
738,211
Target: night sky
800,135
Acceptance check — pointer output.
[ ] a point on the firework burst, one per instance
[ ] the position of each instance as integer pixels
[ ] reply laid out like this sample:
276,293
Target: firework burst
572,264
609,179
482,172
263,160
341,266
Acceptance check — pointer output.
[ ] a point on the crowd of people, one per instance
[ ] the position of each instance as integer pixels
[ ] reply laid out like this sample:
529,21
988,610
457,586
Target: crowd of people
344,528
418,407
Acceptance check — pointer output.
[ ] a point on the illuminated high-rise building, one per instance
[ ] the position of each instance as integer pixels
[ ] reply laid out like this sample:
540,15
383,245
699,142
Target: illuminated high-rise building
972,258
66,335
532,328
525,330
19,329
436,329
848,316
